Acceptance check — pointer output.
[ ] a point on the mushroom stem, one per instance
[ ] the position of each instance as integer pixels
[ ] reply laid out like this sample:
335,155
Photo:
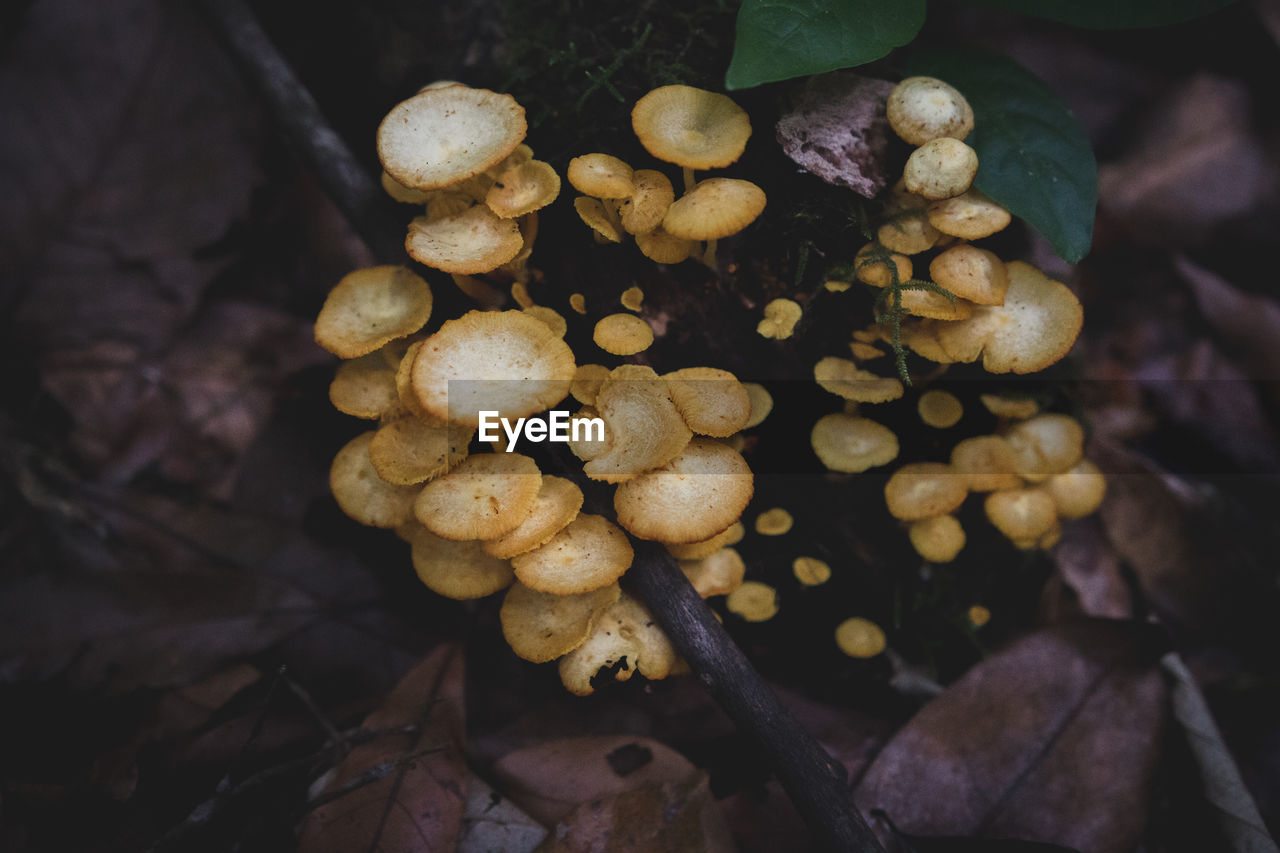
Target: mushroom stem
709,256
688,179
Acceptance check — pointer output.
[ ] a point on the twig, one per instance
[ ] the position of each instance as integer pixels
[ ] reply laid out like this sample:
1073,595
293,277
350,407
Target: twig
368,777
815,781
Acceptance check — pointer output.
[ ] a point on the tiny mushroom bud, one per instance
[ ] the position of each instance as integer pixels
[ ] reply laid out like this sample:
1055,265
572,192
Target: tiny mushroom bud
811,571
942,168
939,409
753,601
860,638
774,522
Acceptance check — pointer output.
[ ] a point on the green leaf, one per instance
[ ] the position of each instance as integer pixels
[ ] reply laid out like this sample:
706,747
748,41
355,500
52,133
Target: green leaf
1111,14
781,39
1033,156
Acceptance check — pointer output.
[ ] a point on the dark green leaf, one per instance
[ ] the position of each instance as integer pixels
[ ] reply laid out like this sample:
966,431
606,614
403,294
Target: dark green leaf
1033,156
781,39
1112,14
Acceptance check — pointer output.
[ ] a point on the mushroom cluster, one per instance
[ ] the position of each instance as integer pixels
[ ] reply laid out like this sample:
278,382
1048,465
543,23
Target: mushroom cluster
459,152
972,304
691,128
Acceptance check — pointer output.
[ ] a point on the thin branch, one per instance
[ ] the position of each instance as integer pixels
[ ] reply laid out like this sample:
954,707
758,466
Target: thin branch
813,779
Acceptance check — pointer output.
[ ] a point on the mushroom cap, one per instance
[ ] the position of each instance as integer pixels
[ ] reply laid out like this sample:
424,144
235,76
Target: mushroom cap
761,403
457,570
1021,514
1016,408
908,233
622,334
986,462
774,522
933,305
860,638
691,127
753,601
663,248
504,361
780,318
731,535
601,176
811,571
1045,445
714,208
1035,327
626,636
522,189
941,168
541,627
971,273
649,201
362,494
474,241
632,298
938,539
850,444
939,409
553,319
700,492
644,427
587,446
588,553
1078,492
445,135
843,378
407,450
364,387
921,109
712,402
554,507
876,272
969,216
578,302
924,489
719,573
371,307
592,212
486,496
587,381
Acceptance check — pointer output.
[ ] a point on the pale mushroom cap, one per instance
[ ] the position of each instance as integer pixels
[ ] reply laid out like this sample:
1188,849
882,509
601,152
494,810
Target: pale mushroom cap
441,136
587,381
554,507
1035,327
939,409
780,318
474,241
700,492
503,361
921,109
933,305
842,377
972,273
601,176
540,626
625,635
622,334
909,234
649,203
942,168
592,212
715,208
484,497
877,272
371,307
969,216
522,189
644,427
589,553
1045,445
712,402
986,462
691,127
632,298
1078,492
938,539
811,571
719,573
850,444
924,489
731,535
774,522
753,601
1021,514
401,193
457,570
362,494
364,387
761,403
663,248
1016,408
860,638
407,450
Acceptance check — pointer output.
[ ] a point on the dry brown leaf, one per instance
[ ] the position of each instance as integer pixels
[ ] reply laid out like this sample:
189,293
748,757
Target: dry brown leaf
418,807
838,130
1055,739
492,823
551,779
1091,567
675,817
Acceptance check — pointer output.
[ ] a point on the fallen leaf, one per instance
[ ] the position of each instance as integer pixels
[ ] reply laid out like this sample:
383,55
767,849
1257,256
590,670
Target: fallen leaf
680,817
837,129
417,804
1055,739
1091,567
491,823
550,779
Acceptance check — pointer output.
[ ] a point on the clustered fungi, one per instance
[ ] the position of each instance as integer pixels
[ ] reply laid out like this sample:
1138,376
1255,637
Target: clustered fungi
694,129
481,523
